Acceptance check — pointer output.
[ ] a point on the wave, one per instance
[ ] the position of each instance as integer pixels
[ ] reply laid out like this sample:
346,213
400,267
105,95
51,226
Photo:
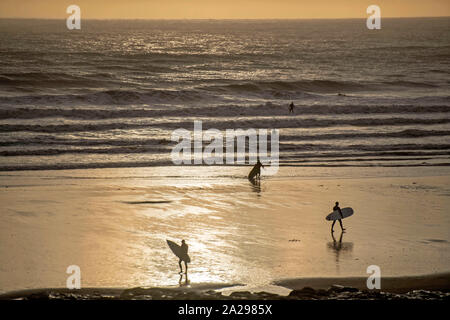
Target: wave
92,165
283,147
408,133
156,163
410,84
216,94
277,88
365,154
218,111
54,151
224,124
56,80
286,90
363,147
107,97
280,86
406,47
439,71
56,141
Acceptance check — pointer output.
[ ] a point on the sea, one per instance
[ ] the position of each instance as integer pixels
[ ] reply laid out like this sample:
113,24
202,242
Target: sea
112,93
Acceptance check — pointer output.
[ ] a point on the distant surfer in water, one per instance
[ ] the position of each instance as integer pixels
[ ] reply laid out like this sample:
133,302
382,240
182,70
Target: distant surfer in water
336,207
256,171
291,107
184,253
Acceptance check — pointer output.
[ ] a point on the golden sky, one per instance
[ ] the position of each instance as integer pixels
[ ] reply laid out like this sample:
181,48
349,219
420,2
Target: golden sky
222,9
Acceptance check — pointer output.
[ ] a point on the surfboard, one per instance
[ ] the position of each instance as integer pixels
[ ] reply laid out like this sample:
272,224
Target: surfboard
253,173
335,215
176,249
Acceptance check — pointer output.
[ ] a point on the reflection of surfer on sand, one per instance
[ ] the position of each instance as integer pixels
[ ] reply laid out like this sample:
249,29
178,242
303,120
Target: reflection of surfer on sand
255,173
338,247
184,283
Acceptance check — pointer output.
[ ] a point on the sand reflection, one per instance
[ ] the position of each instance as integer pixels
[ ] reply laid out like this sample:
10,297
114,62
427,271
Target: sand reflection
256,186
184,280
339,248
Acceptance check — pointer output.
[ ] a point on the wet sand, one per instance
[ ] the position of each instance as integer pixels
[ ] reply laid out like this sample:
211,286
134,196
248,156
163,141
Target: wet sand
113,224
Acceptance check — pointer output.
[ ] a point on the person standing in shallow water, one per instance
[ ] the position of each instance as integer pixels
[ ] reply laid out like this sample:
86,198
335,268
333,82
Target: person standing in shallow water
336,207
255,173
184,250
291,107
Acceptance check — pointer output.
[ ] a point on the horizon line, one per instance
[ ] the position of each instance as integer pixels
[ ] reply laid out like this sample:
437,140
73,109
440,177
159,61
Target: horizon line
235,19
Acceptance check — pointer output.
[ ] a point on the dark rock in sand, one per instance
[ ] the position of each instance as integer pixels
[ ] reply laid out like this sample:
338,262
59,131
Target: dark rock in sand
266,296
38,296
241,295
321,292
148,294
304,293
336,288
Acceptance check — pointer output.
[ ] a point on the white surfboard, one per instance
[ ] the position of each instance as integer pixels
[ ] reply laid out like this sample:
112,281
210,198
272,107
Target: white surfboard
176,249
335,215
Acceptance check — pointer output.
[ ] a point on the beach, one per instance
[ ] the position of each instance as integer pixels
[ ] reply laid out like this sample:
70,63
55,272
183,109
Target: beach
113,224
90,121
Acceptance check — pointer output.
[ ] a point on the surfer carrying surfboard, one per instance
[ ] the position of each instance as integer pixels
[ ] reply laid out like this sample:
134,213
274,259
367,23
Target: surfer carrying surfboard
339,214
181,252
336,208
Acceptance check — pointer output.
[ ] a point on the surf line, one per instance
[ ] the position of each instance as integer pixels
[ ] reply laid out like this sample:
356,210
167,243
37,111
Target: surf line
190,148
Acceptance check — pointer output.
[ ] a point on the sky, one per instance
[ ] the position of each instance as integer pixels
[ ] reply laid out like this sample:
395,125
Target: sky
222,9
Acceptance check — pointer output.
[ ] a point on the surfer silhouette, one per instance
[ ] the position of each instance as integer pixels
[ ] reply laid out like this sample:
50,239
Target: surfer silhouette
291,107
256,171
181,252
184,253
336,207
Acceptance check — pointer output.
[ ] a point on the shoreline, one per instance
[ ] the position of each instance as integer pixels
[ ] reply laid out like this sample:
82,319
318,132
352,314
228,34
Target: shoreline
423,287
156,164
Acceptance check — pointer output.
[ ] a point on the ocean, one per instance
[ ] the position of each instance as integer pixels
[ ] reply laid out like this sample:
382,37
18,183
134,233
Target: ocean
112,93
